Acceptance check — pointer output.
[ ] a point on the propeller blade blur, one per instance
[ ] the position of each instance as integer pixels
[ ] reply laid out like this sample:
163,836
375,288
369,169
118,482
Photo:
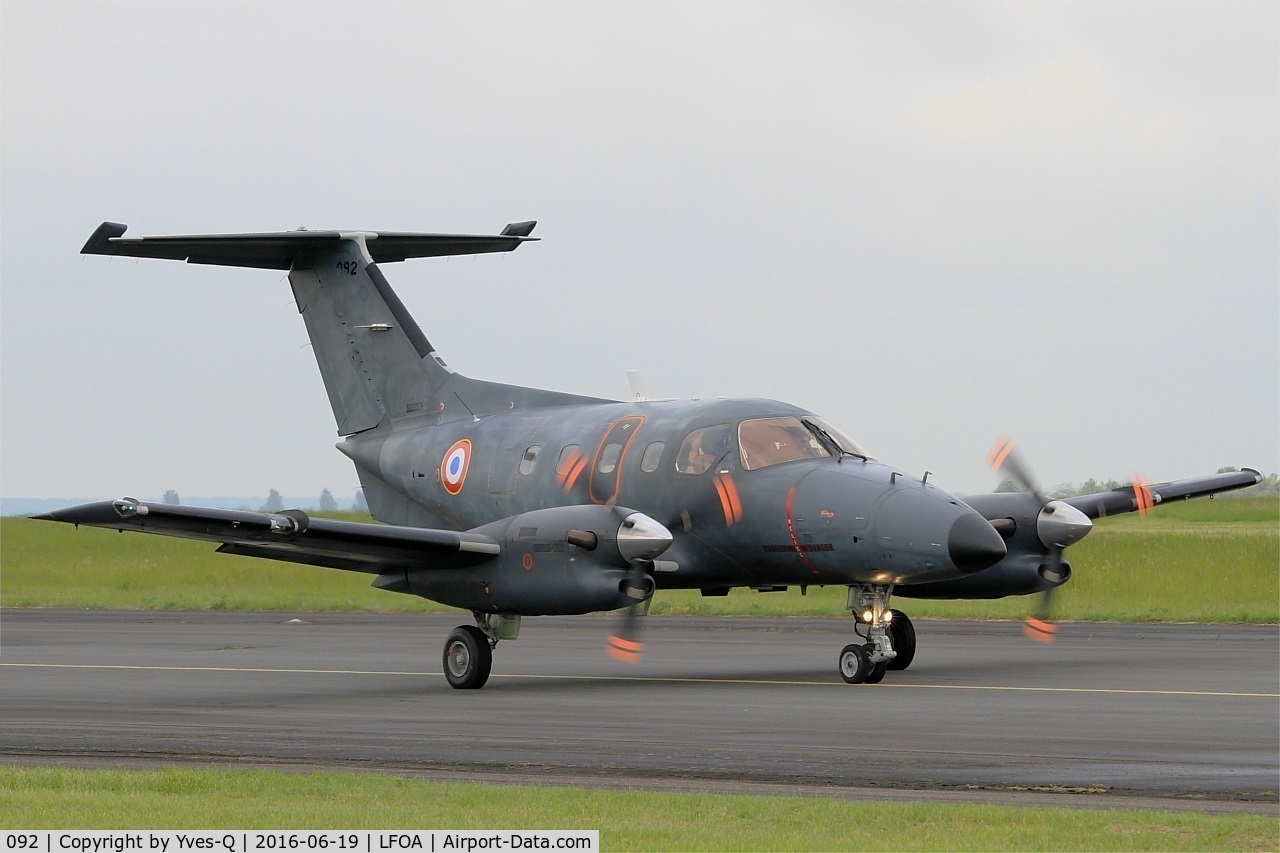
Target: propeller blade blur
1039,630
625,645
622,649
1004,459
1039,627
1142,495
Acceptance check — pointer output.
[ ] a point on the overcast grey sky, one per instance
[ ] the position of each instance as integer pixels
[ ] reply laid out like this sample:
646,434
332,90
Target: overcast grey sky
934,223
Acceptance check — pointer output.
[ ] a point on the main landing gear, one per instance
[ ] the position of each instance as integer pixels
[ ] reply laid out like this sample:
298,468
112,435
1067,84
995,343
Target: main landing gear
890,637
468,653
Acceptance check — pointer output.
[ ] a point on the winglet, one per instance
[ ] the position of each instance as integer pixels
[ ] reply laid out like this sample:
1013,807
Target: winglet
100,240
519,229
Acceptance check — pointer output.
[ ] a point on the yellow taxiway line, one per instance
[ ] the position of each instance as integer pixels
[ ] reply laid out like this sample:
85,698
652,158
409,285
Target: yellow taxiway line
653,678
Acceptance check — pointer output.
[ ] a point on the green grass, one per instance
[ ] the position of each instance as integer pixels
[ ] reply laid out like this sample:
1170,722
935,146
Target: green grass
58,798
1195,561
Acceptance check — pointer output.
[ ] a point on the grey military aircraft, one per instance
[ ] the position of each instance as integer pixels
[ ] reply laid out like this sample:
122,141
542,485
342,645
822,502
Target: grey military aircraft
510,502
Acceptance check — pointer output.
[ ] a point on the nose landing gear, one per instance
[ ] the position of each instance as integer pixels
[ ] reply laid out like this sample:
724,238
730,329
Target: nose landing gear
890,637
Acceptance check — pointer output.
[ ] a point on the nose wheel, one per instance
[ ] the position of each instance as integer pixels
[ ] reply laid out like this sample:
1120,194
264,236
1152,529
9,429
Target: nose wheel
903,635
855,663
856,666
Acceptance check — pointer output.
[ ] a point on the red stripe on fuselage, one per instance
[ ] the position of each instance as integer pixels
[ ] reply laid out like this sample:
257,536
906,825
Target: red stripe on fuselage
791,531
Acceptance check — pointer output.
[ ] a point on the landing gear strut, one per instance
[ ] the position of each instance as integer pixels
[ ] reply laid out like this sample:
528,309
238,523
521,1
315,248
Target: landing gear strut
468,652
867,662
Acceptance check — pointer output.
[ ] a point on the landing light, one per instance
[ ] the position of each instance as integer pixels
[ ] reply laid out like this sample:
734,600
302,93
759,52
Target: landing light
129,507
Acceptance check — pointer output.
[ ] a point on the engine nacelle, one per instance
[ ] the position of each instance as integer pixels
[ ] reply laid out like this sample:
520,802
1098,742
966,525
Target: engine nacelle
1021,574
1030,529
557,561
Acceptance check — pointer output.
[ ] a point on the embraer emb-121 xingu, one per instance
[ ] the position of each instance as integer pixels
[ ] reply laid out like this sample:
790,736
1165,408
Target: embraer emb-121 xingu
512,502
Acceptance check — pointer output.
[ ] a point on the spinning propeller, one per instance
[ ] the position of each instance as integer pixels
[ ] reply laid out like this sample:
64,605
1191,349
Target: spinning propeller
1058,525
625,645
640,541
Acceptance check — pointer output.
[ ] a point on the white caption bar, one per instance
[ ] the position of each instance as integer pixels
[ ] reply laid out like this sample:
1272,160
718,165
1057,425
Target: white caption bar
274,841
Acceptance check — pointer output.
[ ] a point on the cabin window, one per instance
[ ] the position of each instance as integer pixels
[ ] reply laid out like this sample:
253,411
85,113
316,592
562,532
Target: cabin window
702,447
529,459
652,456
769,441
568,456
609,458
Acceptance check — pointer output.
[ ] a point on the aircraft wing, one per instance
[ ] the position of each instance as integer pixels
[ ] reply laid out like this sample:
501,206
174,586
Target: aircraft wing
277,250
1131,498
291,535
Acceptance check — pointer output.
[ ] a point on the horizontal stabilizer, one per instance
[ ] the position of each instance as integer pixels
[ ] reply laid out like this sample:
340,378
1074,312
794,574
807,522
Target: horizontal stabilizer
291,536
277,250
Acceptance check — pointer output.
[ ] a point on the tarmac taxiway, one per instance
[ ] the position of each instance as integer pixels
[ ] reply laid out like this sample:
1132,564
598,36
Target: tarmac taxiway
1170,716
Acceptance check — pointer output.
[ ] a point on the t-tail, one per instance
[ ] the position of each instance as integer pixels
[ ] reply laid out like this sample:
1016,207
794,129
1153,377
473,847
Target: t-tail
377,364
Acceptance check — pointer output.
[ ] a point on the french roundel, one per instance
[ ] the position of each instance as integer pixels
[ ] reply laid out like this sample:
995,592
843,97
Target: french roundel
453,468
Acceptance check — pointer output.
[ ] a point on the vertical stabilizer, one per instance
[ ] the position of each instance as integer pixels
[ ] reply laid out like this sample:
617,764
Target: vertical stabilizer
374,359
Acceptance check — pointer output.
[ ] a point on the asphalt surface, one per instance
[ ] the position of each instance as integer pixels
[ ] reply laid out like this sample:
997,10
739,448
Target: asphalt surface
1166,716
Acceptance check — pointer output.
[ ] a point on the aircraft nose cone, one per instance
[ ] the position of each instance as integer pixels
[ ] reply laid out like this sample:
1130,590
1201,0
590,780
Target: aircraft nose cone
973,544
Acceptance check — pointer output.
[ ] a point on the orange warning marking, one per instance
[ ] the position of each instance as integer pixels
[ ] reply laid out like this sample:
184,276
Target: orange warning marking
729,500
734,513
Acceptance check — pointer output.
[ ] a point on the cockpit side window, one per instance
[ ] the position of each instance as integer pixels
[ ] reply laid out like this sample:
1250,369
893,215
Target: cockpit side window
702,447
769,441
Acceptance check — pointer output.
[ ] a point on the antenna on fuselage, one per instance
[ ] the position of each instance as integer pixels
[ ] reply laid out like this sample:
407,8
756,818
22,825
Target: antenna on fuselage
474,419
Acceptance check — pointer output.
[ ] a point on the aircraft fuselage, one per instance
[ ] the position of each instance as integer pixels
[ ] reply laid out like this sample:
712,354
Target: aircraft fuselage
833,519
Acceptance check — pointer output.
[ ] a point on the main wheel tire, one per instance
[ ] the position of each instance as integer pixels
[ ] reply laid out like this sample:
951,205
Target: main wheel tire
468,658
903,636
876,675
854,664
